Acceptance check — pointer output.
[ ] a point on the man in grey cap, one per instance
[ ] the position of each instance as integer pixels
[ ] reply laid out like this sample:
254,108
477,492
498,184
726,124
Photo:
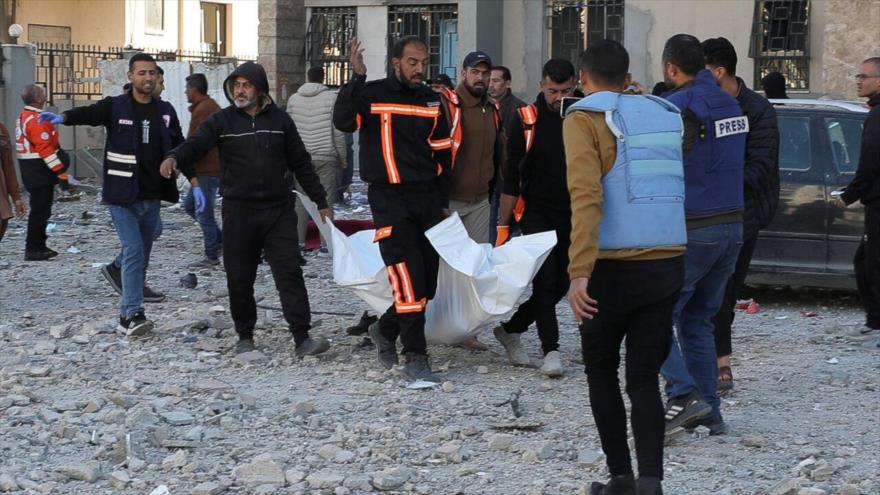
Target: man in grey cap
474,127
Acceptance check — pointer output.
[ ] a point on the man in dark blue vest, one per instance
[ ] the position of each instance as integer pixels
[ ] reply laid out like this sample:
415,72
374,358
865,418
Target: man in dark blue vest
141,129
715,131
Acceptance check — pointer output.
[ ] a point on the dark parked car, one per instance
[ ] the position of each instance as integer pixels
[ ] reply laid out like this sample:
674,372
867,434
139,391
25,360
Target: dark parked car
810,242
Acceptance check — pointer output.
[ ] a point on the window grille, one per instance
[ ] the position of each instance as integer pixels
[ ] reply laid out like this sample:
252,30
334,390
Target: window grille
437,25
781,41
572,25
330,32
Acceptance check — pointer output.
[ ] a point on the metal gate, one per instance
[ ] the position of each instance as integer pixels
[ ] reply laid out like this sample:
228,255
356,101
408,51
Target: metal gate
781,41
331,30
574,24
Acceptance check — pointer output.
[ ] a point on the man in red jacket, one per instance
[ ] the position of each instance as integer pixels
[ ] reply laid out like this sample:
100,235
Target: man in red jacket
43,164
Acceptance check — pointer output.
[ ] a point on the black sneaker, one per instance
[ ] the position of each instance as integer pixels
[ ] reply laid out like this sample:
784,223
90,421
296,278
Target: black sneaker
244,345
649,485
40,255
716,425
417,368
152,296
135,326
623,484
386,349
363,326
113,274
312,347
682,411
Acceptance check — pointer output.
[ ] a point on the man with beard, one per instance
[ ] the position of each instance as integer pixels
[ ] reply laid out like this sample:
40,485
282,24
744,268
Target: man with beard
535,170
502,97
259,147
405,159
474,127
141,129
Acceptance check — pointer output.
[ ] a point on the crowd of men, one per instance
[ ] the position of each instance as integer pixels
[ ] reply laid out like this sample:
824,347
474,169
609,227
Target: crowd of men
656,202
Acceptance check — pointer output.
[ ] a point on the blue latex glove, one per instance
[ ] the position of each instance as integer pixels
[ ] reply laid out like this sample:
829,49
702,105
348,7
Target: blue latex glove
53,118
199,197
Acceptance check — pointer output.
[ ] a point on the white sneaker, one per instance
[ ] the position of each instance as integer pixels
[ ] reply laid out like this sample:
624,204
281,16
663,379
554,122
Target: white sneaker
512,344
552,366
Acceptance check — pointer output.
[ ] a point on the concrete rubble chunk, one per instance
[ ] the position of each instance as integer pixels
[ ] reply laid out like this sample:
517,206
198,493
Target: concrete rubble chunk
211,384
119,479
786,487
294,475
261,470
83,471
392,478
849,489
175,460
207,488
161,490
811,491
8,483
303,409
325,478
501,441
59,331
590,458
755,441
251,357
178,418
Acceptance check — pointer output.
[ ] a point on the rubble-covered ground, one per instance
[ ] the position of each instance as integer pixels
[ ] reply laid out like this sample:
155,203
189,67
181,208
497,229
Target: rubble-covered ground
84,410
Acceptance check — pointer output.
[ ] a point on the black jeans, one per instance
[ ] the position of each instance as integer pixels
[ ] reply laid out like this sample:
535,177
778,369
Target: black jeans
867,266
635,301
248,232
724,319
550,283
41,209
402,214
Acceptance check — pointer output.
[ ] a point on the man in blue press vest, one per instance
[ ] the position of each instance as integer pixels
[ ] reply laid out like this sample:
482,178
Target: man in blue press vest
627,239
141,129
715,131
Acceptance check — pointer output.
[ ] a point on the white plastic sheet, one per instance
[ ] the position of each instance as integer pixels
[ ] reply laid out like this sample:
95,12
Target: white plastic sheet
477,284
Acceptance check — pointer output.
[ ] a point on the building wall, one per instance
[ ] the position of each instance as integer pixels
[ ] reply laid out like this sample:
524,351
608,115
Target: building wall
846,43
87,19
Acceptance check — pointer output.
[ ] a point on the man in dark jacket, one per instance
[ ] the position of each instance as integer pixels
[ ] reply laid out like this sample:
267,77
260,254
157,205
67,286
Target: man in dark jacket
760,189
258,146
865,187
405,159
201,107
140,130
508,104
535,169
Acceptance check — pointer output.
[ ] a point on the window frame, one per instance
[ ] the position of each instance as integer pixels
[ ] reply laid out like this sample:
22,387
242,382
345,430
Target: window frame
790,59
809,127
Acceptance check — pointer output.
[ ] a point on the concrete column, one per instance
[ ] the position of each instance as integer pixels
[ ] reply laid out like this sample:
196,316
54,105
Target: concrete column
281,45
481,26
523,40
18,70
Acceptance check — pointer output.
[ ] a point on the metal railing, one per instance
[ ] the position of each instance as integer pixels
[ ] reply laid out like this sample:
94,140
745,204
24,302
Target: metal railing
71,72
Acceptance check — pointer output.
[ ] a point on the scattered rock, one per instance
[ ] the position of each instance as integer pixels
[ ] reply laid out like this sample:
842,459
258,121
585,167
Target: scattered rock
303,409
178,418
251,357
325,478
811,491
849,489
482,370
392,478
786,487
755,441
500,441
119,479
161,490
294,476
261,470
83,471
207,488
59,331
210,385
175,460
8,483
590,458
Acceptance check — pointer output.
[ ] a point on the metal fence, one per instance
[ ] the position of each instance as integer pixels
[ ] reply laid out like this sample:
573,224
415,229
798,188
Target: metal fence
437,25
70,72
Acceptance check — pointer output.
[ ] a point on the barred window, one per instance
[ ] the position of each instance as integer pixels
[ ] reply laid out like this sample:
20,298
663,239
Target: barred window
436,25
572,25
781,41
330,32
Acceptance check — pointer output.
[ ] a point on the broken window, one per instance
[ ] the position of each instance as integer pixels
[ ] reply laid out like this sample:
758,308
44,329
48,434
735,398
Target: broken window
781,42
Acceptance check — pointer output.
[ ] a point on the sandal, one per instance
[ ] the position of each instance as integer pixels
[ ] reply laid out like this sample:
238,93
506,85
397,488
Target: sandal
725,379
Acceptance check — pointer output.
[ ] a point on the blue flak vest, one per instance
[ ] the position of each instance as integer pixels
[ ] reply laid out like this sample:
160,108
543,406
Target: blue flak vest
713,168
643,193
121,154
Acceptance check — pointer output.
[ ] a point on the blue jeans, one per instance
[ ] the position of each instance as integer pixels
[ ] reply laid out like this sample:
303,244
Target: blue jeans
136,225
117,262
211,233
708,262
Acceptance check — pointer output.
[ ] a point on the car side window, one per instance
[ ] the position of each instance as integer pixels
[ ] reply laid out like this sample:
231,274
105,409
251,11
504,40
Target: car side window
845,136
794,143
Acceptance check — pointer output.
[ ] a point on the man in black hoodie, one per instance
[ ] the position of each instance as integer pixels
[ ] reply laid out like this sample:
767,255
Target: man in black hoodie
259,148
535,170
865,187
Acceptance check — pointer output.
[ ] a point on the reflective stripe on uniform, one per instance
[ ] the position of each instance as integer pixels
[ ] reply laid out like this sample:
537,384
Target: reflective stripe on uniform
119,173
120,158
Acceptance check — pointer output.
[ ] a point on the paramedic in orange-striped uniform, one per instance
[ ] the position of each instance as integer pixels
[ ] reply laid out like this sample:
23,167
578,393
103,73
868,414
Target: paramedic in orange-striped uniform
43,164
406,160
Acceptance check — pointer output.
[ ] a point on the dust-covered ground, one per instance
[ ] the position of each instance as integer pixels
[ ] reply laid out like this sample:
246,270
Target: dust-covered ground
85,410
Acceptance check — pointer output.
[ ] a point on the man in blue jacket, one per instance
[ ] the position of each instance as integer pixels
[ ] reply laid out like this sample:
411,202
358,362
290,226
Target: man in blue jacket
260,153
715,131
141,129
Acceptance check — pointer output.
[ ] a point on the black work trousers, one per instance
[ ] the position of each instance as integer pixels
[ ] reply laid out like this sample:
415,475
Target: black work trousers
248,232
724,319
41,209
550,283
867,266
401,214
635,301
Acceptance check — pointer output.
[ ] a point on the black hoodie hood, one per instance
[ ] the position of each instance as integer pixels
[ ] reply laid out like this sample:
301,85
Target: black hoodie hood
254,73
